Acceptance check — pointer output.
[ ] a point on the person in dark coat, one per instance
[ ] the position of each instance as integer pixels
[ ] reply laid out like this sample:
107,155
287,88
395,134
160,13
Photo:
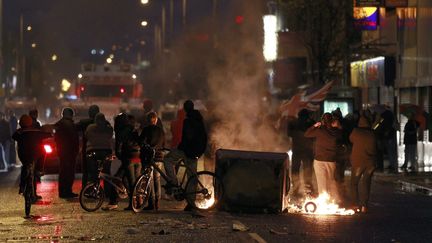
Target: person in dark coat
410,142
193,144
390,140
154,136
99,137
67,141
5,138
127,147
13,123
363,161
29,142
325,155
82,126
302,152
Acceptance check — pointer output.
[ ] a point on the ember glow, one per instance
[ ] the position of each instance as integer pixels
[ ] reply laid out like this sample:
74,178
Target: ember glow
207,203
322,205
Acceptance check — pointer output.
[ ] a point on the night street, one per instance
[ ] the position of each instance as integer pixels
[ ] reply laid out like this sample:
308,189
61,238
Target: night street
394,216
216,121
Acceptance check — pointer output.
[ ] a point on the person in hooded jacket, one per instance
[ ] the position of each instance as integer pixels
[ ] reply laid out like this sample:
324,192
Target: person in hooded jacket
193,144
82,126
363,162
67,141
99,146
29,142
325,154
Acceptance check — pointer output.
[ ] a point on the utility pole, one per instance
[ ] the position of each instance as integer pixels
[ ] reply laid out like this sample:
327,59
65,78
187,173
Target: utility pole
184,8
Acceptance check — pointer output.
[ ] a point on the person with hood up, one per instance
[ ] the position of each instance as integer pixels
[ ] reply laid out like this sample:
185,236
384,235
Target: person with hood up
363,162
325,153
99,137
67,141
192,146
82,126
29,142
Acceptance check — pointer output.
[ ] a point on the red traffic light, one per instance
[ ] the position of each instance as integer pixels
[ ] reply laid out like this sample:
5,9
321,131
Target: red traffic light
122,90
82,88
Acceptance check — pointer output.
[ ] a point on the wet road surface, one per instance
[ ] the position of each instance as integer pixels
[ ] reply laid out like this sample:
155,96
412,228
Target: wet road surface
395,216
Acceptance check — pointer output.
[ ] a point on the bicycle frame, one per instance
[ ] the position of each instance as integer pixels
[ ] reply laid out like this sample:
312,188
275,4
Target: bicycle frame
182,164
110,179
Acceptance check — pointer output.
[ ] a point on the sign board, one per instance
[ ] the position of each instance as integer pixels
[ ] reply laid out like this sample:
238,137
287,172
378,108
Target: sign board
368,3
396,3
366,18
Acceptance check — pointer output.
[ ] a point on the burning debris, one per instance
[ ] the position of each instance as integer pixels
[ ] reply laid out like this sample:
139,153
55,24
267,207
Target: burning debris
322,205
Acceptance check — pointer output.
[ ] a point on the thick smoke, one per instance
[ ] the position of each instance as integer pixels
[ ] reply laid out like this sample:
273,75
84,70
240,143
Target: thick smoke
237,87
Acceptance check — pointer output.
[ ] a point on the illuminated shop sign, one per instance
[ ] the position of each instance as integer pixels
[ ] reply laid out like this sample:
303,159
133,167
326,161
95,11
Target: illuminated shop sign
368,72
366,18
368,3
396,3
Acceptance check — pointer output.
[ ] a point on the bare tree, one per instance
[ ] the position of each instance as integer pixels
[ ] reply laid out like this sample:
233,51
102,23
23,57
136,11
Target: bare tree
325,28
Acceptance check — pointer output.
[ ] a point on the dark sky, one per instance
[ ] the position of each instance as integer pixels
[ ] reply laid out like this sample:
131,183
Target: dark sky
72,29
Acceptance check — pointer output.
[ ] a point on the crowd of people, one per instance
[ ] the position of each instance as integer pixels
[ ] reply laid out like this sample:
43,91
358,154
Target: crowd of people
324,149
320,150
130,135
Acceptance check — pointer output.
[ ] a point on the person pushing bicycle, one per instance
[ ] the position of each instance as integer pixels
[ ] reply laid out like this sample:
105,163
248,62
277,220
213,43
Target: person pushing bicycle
154,136
192,146
30,149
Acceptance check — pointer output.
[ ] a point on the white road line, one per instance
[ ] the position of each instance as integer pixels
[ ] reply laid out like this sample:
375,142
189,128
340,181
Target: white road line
257,238
239,226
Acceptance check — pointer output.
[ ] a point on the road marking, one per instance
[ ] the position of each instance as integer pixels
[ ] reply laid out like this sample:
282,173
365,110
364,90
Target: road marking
257,238
239,226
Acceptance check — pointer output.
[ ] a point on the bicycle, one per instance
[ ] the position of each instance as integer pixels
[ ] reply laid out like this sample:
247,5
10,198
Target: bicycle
92,195
202,190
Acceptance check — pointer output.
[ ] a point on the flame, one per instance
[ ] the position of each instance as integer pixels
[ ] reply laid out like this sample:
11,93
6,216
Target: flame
322,205
207,203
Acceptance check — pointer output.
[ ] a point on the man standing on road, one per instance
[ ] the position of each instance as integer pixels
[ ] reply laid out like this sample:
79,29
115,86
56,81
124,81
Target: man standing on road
82,126
13,123
410,142
326,139
192,145
155,137
302,152
5,137
363,162
67,140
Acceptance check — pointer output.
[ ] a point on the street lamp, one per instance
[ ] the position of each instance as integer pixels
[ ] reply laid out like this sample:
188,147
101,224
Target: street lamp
29,28
33,45
144,23
144,2
54,58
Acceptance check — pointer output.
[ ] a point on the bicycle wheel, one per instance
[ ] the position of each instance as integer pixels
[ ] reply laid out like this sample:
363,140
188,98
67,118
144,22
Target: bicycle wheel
203,190
92,197
141,193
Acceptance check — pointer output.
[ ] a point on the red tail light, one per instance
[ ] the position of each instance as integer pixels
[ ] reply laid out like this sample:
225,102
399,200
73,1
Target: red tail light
48,149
